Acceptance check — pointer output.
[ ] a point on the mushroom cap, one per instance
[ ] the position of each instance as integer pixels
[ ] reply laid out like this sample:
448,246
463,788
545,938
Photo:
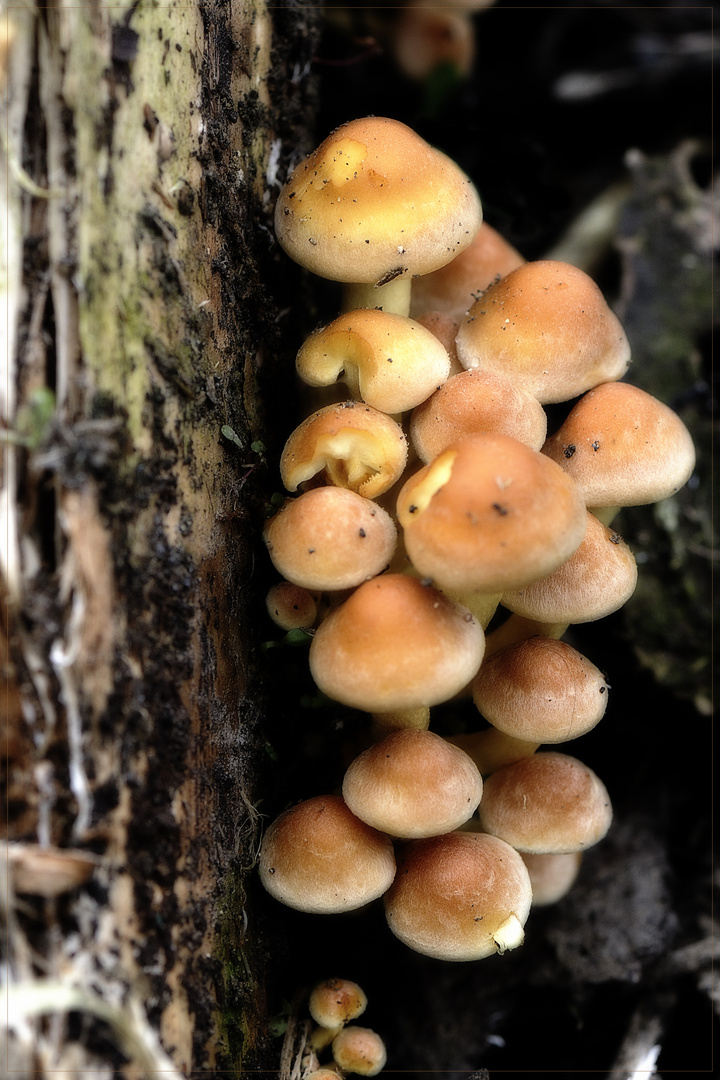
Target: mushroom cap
349,445
487,515
461,896
549,802
334,1002
453,288
375,202
412,784
540,689
548,327
471,402
359,1050
290,606
597,579
396,643
551,875
392,363
330,538
318,857
623,447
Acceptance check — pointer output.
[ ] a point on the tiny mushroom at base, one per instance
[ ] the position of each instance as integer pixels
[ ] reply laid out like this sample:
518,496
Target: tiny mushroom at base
359,1050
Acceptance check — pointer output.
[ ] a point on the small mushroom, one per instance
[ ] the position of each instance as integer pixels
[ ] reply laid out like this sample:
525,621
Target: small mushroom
359,1050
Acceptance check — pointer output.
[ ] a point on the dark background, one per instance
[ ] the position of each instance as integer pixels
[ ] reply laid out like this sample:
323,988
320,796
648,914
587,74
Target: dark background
621,952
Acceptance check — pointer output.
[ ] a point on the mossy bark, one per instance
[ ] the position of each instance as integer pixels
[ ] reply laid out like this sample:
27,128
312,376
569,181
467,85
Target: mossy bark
144,138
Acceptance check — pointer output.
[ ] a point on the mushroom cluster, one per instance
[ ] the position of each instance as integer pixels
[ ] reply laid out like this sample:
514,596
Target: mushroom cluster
431,502
333,1004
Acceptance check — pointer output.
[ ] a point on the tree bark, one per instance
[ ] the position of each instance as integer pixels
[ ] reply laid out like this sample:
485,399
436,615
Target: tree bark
142,146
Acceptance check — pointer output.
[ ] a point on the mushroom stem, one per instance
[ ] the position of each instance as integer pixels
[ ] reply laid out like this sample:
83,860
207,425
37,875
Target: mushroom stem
518,628
393,297
383,723
492,749
606,514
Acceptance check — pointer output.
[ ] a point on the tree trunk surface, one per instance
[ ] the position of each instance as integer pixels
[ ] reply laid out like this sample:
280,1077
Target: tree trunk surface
140,144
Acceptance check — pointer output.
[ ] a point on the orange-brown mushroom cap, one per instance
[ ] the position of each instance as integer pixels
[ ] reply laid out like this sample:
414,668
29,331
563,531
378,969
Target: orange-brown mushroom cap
540,689
461,896
623,447
318,857
486,512
413,784
330,539
548,327
396,643
549,802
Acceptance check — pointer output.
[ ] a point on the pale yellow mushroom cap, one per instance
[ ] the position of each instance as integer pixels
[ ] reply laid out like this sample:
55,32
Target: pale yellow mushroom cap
487,513
413,784
392,363
318,857
540,689
623,447
375,202
349,445
330,538
461,896
396,643
549,802
548,327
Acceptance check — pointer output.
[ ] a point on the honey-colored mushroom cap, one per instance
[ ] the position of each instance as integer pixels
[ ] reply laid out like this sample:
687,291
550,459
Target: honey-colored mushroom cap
548,327
330,538
461,896
549,802
334,1002
374,202
359,1050
412,784
395,643
318,857
488,515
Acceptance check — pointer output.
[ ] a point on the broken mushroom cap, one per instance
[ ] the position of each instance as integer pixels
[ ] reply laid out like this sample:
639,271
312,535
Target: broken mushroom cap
540,689
486,515
413,784
374,203
623,447
386,360
547,327
349,445
395,643
551,875
597,579
290,606
461,896
334,1002
549,802
471,402
454,288
318,857
359,1050
330,538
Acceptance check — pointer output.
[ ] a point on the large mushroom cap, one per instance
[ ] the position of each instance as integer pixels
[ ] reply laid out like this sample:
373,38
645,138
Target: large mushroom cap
412,784
548,327
318,857
623,447
487,512
461,896
396,643
549,802
373,202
